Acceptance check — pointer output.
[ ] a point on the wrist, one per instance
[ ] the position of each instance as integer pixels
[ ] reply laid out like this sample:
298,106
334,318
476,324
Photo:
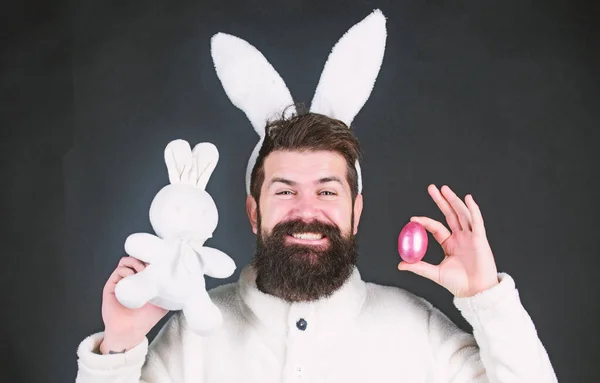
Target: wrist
112,344
481,286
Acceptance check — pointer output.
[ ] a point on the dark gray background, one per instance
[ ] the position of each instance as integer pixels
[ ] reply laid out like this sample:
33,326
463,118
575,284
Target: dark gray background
495,98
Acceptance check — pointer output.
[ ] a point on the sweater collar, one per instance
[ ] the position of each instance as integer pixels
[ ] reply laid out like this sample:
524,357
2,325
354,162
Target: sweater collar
324,316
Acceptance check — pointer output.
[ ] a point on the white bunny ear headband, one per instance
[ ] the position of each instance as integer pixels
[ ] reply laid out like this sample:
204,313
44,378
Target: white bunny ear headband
255,87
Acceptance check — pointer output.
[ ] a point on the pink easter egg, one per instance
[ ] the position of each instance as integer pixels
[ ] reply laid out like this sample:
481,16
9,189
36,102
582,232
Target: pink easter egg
412,242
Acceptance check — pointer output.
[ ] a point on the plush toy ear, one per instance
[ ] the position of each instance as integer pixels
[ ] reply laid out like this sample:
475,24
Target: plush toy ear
252,85
178,157
205,157
351,70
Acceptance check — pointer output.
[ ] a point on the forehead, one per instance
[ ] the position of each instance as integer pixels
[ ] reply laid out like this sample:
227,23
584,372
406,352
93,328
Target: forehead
304,166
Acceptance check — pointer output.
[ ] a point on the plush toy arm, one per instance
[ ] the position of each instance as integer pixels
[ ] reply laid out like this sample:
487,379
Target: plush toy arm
145,247
215,263
136,290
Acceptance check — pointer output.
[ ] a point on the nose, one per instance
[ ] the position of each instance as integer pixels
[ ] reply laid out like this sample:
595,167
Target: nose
306,208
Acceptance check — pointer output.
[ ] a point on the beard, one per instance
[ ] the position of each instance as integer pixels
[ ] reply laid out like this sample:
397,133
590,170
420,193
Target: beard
300,273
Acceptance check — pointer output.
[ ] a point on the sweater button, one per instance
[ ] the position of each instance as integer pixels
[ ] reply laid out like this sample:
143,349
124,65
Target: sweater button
301,324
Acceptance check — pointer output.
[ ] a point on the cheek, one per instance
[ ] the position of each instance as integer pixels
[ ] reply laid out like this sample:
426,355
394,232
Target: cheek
271,213
340,215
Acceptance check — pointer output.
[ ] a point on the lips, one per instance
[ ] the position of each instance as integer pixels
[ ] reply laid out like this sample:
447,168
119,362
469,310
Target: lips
307,238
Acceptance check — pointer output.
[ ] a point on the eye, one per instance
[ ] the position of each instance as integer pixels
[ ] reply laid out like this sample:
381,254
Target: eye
284,192
327,193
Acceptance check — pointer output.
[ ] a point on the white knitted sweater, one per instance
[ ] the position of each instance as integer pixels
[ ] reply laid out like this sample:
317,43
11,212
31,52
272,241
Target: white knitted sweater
363,333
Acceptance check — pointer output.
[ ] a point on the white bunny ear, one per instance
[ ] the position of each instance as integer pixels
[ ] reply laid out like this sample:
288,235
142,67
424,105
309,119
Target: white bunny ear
178,157
351,70
205,157
250,81
252,85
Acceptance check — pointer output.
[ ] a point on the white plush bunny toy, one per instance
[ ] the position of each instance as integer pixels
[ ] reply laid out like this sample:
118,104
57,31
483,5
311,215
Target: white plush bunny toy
184,216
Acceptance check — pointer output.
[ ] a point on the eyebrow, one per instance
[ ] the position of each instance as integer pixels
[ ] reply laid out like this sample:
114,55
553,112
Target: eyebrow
325,180
319,181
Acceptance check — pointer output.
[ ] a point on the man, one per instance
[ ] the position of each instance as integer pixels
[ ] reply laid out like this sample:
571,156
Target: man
300,311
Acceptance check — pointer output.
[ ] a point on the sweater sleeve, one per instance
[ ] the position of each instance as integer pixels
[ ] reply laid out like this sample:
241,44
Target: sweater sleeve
504,347
158,362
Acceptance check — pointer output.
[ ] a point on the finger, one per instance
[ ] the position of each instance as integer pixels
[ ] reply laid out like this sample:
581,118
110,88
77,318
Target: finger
424,269
119,273
461,210
445,208
476,217
436,228
136,264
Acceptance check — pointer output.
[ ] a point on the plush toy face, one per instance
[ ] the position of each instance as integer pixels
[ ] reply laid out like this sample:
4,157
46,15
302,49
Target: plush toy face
183,211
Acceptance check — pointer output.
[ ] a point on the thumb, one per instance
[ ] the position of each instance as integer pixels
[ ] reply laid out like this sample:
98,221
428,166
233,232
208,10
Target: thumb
424,269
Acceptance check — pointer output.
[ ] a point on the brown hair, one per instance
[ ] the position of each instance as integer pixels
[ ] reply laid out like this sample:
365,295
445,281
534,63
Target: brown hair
306,131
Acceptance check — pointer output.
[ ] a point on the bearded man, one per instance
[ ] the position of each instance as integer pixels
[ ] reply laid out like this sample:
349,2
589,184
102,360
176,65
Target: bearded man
301,311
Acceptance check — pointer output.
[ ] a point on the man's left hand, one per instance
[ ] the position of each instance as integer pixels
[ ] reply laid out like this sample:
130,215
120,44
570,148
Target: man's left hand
468,266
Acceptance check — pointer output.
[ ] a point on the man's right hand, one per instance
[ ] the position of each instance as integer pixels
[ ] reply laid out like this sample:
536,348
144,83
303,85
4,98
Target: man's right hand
125,328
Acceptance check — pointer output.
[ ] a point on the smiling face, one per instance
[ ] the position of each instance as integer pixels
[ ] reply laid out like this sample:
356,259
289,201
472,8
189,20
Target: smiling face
310,186
305,223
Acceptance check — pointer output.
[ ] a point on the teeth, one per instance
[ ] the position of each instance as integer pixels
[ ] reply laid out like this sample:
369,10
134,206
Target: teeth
312,236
